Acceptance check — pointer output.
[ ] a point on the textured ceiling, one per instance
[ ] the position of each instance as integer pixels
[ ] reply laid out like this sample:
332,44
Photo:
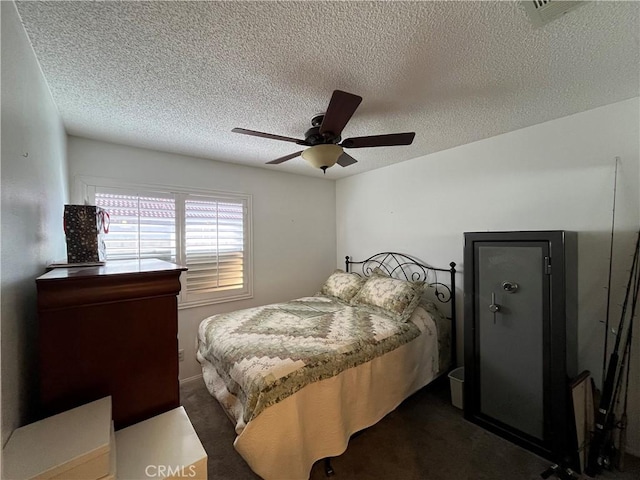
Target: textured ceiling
178,76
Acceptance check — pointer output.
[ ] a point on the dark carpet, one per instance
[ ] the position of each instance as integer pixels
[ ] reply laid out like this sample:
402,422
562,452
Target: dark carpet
425,438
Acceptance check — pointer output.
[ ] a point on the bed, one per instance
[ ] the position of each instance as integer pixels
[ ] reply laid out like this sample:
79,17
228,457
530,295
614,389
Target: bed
298,378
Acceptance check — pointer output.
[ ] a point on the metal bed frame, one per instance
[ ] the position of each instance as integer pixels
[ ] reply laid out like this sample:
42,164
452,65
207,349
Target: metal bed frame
405,267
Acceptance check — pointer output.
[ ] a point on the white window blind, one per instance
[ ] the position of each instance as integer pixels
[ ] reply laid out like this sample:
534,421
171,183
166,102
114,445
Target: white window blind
206,233
214,244
140,226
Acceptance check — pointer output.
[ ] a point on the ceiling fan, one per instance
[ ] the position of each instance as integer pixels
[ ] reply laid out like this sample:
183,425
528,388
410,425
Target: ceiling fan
324,138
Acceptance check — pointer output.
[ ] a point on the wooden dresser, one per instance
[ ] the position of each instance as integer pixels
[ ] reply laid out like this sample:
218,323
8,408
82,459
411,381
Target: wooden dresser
110,330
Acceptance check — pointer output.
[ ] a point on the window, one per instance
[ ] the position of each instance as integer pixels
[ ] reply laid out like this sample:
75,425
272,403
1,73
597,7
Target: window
208,232
214,244
140,226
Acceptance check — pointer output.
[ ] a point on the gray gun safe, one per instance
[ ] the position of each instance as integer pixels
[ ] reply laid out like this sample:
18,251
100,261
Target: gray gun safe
520,336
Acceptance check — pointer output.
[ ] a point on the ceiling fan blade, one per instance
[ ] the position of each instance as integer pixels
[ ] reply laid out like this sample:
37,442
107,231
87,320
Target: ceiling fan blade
345,160
244,131
340,110
285,158
388,140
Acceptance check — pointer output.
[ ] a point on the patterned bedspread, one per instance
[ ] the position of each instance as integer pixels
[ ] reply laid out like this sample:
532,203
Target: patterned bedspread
268,353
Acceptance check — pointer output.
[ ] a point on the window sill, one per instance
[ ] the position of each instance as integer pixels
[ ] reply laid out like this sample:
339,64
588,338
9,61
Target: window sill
213,301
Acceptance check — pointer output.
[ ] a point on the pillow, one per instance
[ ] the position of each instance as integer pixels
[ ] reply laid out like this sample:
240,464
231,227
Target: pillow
390,296
380,272
342,285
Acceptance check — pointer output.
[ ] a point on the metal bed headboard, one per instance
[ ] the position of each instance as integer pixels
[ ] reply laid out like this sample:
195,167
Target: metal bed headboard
405,267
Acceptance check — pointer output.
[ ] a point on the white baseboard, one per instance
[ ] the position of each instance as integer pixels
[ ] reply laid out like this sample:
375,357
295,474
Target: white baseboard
191,379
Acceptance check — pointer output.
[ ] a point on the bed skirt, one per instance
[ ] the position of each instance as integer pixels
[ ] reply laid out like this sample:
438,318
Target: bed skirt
286,439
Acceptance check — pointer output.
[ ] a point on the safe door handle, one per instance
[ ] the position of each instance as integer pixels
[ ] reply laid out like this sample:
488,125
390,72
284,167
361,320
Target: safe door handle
494,307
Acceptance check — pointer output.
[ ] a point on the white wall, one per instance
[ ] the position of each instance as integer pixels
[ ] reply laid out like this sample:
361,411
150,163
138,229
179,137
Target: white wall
557,175
294,225
34,190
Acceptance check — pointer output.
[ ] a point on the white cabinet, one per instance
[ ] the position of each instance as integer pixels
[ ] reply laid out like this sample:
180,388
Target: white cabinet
73,445
163,447
80,444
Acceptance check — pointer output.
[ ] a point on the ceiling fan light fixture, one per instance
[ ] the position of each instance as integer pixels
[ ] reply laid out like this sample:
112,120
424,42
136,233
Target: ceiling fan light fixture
322,139
322,156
